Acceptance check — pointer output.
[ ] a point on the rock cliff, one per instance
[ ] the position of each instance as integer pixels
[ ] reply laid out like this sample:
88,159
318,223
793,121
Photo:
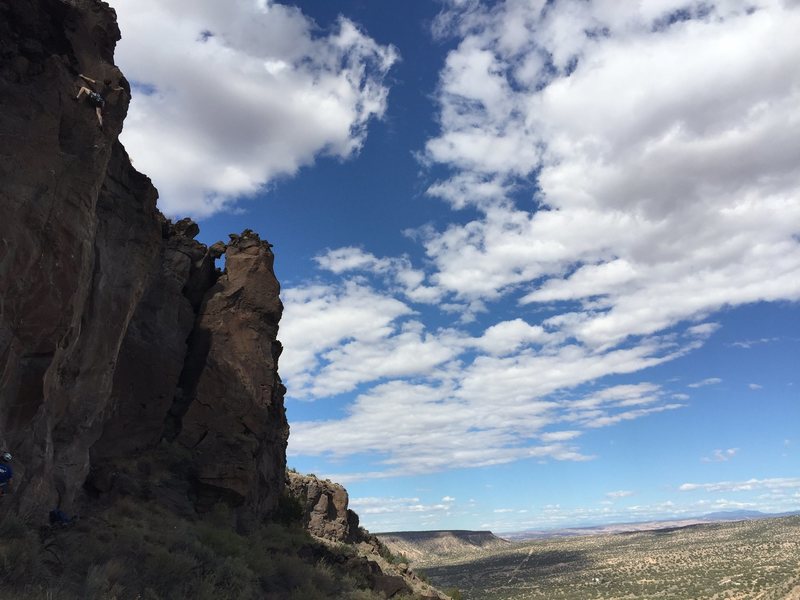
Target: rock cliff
136,378
117,332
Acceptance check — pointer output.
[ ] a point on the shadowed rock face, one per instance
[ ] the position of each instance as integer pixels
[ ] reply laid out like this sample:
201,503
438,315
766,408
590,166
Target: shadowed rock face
154,347
117,333
70,204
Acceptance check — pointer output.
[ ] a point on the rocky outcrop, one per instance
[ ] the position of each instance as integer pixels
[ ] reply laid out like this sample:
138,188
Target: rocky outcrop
117,333
234,421
325,515
392,578
324,503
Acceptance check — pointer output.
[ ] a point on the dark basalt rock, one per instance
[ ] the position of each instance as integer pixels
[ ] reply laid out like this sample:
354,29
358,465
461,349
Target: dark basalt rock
117,332
234,421
325,512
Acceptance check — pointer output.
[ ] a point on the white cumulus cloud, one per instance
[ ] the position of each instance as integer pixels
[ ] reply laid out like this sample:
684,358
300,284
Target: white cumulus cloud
229,96
664,137
630,169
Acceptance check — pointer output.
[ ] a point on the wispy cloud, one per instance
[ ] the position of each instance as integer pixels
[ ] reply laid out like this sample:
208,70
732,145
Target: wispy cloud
742,486
559,436
747,344
705,382
426,427
399,506
619,494
721,455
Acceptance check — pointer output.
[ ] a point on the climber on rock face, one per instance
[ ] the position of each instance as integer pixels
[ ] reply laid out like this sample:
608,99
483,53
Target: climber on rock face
6,472
97,99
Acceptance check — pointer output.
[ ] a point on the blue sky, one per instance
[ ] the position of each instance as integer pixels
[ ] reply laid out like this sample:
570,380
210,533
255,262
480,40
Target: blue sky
540,260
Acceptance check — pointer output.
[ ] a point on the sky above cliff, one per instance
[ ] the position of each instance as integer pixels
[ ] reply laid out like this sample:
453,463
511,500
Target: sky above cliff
540,259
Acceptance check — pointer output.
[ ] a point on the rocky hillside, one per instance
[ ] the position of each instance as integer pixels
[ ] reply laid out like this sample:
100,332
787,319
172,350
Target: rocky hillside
422,547
137,379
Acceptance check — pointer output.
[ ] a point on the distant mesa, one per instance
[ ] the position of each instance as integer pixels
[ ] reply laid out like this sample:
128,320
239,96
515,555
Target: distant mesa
610,528
736,515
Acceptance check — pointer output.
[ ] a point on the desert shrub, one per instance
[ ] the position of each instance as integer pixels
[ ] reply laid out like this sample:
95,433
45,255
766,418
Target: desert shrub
290,572
165,571
278,537
12,528
224,542
20,561
308,592
233,579
126,508
344,550
290,510
391,557
454,593
357,579
324,579
20,552
220,516
102,581
203,555
362,594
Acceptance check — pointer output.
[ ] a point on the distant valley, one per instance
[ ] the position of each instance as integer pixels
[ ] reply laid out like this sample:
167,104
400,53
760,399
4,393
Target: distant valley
743,559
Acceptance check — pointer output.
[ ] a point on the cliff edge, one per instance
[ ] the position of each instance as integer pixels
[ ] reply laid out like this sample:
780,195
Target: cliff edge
139,384
117,332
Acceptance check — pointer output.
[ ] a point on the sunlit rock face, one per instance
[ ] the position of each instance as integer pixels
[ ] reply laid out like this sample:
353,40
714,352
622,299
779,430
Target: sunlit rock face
325,512
118,335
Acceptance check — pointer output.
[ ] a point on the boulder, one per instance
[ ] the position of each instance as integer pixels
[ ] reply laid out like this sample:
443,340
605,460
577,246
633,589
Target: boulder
390,585
325,512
